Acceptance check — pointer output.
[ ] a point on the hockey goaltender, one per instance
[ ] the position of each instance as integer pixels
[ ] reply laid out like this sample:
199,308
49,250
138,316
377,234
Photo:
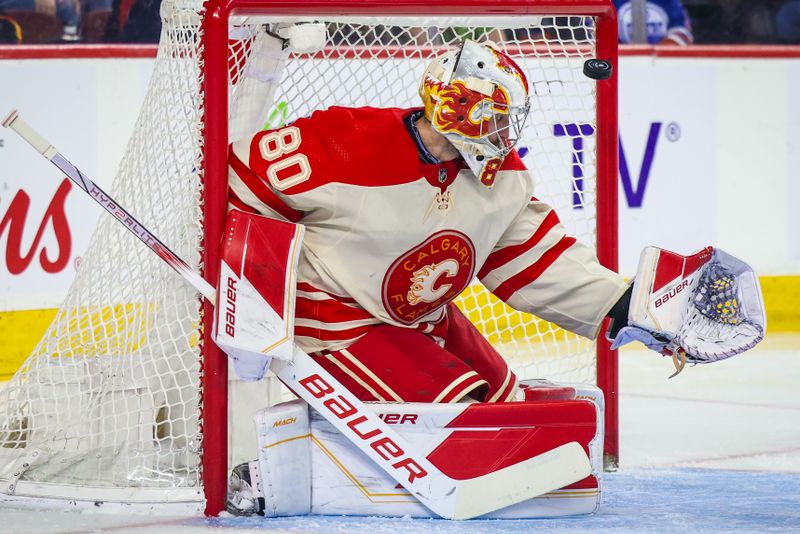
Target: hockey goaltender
351,231
402,208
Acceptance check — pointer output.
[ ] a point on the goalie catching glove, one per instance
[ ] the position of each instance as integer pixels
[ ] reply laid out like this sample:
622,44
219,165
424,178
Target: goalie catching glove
700,308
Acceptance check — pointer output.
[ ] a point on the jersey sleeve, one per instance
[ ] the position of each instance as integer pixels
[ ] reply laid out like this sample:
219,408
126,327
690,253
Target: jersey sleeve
537,268
271,172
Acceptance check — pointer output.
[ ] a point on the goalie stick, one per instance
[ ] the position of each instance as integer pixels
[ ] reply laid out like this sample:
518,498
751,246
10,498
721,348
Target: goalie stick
445,496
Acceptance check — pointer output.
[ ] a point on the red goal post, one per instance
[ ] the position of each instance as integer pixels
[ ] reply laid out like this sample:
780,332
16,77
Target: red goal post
216,59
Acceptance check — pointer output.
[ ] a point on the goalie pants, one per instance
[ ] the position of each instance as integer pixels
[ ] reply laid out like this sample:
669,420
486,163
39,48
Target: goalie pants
397,364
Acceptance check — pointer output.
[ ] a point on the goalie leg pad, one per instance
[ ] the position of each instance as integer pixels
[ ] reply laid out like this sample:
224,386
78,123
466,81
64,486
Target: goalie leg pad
545,390
284,458
464,440
326,474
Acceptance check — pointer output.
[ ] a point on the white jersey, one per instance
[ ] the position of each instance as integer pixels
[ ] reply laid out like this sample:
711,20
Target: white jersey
392,235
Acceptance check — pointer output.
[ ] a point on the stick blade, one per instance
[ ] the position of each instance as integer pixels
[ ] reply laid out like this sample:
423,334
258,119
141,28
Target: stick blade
535,476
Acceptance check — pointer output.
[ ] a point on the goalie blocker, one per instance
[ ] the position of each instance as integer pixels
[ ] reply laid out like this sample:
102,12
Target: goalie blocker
305,466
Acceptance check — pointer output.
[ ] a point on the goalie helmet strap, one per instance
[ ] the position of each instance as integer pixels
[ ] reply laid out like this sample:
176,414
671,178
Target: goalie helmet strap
410,122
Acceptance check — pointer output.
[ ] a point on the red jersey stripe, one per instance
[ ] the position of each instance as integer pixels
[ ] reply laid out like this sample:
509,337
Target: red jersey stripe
333,335
507,254
329,311
261,190
534,271
237,203
436,329
308,288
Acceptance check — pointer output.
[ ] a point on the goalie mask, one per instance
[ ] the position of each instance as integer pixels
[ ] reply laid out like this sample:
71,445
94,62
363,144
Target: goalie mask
477,97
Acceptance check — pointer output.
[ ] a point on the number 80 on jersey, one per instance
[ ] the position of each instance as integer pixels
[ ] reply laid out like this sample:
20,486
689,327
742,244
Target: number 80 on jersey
291,170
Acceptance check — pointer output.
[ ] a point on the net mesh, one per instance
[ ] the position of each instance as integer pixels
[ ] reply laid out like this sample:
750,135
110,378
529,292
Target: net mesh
110,396
379,65
717,296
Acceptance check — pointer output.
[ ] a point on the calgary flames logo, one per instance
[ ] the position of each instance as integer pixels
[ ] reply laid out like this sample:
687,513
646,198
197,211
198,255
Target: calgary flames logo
424,279
428,276
463,110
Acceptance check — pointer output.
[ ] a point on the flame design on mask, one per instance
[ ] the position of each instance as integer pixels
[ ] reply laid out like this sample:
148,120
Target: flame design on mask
509,66
461,110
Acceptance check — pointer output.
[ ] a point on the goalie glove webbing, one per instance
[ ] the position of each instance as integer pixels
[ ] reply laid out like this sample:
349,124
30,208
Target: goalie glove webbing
726,315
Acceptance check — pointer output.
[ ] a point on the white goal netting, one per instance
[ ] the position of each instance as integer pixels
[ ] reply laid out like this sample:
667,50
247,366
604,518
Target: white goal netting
109,401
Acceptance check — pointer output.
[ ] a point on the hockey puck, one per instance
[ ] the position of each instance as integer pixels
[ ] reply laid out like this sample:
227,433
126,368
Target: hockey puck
597,69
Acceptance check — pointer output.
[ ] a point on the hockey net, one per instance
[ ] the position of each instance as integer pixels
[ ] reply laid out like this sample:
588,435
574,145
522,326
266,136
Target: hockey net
110,405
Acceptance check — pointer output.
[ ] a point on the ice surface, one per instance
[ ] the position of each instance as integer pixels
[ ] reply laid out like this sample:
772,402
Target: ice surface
647,501
716,449
740,414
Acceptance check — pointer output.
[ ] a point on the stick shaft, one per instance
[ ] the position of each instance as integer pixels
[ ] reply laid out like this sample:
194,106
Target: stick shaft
24,130
305,370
